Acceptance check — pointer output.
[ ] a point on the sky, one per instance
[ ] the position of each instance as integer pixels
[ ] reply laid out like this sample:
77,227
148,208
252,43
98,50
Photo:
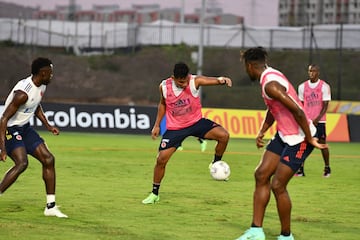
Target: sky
255,12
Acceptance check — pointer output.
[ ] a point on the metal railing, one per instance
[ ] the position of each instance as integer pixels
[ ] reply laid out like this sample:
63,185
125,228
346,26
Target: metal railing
105,35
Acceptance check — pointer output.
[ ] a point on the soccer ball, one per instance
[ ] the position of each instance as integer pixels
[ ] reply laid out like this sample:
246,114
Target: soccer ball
220,171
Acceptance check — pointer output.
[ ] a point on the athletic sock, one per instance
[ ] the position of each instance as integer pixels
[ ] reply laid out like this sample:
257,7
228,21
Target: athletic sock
217,158
155,189
50,200
286,234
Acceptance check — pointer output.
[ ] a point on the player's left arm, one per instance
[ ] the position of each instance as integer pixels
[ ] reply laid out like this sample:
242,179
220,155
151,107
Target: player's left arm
265,125
39,113
322,112
326,97
210,81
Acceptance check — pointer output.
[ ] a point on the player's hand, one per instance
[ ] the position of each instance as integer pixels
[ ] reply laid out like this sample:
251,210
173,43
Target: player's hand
3,155
315,122
259,140
54,130
225,80
315,143
155,132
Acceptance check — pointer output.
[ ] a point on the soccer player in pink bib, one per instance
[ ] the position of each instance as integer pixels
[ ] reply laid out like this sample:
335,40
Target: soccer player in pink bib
316,95
180,102
285,152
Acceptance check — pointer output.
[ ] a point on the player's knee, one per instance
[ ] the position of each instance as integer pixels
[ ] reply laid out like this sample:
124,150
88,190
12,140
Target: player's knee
277,187
224,136
22,165
49,160
161,161
261,177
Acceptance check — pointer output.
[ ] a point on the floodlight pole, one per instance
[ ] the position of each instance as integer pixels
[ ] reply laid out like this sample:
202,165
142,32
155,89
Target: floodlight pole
340,62
182,14
201,39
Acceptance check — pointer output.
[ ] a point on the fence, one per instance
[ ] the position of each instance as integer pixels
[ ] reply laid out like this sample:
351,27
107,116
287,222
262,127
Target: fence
106,35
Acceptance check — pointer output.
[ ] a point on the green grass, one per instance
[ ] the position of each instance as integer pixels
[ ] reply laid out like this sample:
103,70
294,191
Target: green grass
102,178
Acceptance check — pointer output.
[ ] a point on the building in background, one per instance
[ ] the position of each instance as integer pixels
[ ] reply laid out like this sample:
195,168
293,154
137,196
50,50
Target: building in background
10,10
307,12
138,13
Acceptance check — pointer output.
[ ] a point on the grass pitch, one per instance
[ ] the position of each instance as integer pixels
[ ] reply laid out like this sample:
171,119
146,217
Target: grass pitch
102,178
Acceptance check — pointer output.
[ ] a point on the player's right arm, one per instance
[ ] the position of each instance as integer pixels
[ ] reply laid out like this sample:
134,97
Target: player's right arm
265,125
210,81
160,114
19,99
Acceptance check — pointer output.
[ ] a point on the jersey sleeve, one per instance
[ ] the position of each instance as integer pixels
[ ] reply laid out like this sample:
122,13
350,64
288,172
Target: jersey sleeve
301,92
195,92
276,78
163,88
326,91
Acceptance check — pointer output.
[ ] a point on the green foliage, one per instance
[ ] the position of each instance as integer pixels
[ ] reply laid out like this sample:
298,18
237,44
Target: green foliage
105,63
133,75
102,178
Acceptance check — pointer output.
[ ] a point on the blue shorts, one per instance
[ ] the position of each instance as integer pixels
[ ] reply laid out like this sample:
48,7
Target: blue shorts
174,138
22,136
321,131
293,156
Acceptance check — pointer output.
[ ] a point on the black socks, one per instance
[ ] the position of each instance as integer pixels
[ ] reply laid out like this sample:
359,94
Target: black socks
217,158
155,189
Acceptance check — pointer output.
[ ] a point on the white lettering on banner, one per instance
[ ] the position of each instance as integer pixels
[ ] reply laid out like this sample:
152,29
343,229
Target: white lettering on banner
97,120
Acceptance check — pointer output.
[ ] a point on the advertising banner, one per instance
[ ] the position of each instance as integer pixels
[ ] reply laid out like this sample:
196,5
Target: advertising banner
354,127
347,107
98,118
246,123
140,120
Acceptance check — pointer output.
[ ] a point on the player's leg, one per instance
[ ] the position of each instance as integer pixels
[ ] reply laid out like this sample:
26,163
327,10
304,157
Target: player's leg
47,160
15,147
37,148
263,173
221,135
19,157
159,172
170,141
162,159
321,134
278,185
261,195
300,172
291,159
207,129
325,154
203,144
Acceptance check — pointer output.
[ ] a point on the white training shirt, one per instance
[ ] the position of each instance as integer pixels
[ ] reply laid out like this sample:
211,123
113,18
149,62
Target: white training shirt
177,91
26,111
325,90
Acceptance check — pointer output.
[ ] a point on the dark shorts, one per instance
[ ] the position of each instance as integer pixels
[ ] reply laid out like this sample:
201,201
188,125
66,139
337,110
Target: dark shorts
321,131
293,156
22,136
174,138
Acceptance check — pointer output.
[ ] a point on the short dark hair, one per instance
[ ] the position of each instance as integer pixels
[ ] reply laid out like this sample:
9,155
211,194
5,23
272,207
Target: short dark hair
312,65
181,70
39,63
257,54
